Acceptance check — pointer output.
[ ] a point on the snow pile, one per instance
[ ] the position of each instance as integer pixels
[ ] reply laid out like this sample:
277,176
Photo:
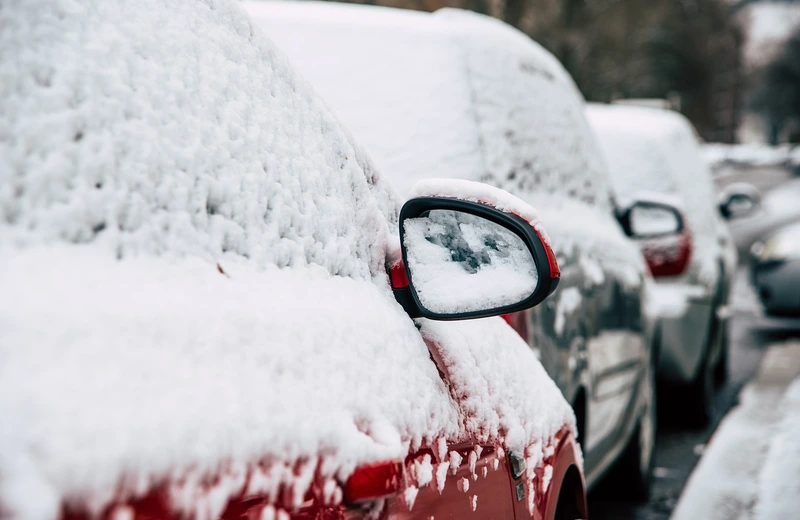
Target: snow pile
193,369
475,192
719,154
779,481
193,259
449,94
654,150
750,468
478,355
460,263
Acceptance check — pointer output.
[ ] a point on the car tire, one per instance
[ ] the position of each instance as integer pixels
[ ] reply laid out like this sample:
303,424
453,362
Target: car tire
698,396
633,473
721,370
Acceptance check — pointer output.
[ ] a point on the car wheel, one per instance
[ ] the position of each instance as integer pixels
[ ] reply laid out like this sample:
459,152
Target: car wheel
721,370
634,471
698,396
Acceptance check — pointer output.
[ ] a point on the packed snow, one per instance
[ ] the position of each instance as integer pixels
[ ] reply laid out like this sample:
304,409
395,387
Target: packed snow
460,263
193,254
653,150
751,467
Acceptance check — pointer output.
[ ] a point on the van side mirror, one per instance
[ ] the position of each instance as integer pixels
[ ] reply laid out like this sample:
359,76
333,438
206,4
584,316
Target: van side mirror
467,259
650,219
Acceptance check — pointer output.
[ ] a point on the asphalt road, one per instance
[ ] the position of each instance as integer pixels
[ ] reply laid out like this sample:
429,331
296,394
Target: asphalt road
679,449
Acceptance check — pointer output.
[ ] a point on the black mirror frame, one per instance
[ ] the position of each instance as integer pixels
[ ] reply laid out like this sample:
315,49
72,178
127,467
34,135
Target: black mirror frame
624,218
724,207
407,296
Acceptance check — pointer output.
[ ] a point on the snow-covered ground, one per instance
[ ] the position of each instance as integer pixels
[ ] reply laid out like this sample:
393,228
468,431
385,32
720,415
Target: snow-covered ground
718,154
751,468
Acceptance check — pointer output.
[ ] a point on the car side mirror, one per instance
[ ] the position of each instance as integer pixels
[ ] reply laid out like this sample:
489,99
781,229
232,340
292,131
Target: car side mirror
651,219
739,200
466,259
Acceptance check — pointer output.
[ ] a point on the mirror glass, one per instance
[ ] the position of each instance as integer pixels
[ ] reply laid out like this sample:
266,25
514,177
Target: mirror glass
462,263
739,205
647,220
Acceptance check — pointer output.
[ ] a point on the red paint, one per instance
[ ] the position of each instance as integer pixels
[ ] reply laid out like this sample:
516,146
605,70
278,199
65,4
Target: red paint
668,256
519,322
555,271
495,490
374,482
398,275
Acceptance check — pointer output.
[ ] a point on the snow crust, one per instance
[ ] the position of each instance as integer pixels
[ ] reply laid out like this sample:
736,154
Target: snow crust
460,263
653,150
475,192
450,94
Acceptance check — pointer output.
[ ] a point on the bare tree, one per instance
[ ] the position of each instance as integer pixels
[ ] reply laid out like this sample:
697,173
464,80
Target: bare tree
777,96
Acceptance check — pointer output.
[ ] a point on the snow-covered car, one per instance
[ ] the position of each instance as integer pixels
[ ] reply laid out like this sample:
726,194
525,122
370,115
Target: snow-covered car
200,275
652,154
754,216
459,95
775,271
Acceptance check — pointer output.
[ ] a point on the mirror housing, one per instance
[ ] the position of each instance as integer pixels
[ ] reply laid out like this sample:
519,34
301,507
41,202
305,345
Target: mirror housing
645,219
509,244
663,238
738,200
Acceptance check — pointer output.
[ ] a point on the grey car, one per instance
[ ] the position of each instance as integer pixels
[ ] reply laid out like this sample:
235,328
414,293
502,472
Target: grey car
459,95
775,271
654,151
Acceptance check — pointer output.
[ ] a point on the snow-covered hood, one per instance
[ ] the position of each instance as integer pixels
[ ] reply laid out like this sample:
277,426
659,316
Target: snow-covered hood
145,368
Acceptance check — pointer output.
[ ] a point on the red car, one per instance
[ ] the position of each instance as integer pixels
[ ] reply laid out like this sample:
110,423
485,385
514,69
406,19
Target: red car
214,307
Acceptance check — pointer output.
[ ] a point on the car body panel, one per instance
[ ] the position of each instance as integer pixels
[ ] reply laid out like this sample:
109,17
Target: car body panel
778,286
480,488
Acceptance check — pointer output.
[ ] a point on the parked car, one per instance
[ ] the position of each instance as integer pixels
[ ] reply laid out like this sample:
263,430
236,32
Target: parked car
653,151
775,271
460,95
756,215
201,273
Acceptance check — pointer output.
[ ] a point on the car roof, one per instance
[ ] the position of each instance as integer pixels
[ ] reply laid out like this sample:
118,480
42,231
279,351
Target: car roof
229,156
447,94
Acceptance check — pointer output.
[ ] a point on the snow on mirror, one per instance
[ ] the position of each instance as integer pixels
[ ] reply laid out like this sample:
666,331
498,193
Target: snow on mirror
462,263
646,220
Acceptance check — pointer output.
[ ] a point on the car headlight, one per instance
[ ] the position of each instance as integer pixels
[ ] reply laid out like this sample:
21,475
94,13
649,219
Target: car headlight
781,246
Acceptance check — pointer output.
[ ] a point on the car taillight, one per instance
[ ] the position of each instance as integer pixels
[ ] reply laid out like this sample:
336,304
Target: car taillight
374,482
668,256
